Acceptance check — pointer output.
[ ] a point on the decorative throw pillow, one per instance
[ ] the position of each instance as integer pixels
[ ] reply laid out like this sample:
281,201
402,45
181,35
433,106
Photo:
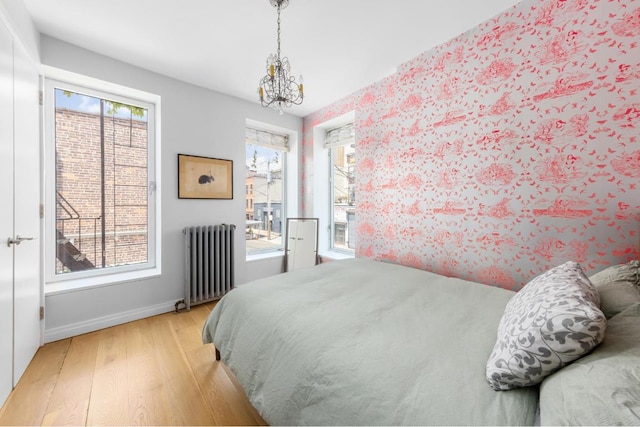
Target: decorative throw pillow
602,388
618,286
553,320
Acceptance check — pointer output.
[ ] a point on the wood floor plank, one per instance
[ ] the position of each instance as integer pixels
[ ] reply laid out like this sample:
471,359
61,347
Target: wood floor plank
148,408
244,405
189,338
28,402
75,379
146,390
228,406
142,363
109,403
179,320
186,404
200,313
153,371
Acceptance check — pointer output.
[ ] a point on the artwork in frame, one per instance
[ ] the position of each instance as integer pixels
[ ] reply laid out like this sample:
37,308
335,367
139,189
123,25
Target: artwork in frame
204,177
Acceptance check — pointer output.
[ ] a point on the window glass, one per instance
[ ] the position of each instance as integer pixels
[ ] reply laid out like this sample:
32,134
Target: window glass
343,196
265,197
103,184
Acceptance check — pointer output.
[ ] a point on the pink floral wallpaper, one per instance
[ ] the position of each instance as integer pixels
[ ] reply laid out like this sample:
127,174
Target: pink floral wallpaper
508,150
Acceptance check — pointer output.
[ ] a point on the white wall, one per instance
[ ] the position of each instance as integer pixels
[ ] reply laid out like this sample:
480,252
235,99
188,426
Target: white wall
19,22
194,121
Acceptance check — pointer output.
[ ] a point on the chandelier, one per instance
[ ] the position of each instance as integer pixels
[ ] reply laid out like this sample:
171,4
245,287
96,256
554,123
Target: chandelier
278,89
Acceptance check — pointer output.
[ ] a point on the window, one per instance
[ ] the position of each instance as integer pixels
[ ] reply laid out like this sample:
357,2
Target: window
341,144
102,199
266,166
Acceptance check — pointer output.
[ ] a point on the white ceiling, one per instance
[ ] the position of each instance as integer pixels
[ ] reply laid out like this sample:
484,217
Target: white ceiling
340,46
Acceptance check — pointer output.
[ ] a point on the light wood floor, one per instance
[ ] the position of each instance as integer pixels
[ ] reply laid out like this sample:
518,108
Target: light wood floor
153,371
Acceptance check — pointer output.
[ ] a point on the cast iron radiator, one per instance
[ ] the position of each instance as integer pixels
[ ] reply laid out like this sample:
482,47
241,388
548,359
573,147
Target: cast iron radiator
208,263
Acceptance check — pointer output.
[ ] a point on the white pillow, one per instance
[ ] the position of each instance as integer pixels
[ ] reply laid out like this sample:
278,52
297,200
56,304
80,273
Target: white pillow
553,320
602,388
618,287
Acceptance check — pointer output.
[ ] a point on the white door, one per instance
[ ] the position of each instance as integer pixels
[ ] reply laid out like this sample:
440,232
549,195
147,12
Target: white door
20,293
26,179
6,213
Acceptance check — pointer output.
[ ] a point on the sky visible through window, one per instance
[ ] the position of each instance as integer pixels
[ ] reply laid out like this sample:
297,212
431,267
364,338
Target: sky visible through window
89,104
263,156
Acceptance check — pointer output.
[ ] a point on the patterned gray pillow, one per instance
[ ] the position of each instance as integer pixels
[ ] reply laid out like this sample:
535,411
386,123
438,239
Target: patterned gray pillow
550,322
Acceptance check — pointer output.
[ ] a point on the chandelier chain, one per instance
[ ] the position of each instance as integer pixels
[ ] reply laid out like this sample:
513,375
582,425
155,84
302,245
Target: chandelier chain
278,30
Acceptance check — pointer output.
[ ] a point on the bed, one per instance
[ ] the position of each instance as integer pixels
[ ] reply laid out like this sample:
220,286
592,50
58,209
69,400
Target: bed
358,342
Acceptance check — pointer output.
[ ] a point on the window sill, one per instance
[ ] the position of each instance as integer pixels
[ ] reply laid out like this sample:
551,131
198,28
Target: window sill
66,286
265,255
335,255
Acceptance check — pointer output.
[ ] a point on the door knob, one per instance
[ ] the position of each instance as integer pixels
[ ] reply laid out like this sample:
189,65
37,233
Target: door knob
17,240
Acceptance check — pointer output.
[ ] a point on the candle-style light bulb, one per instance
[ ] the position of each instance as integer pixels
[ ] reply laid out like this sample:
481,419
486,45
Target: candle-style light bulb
301,85
271,67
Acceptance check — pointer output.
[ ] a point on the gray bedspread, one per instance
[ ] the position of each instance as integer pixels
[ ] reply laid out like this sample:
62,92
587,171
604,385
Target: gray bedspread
364,342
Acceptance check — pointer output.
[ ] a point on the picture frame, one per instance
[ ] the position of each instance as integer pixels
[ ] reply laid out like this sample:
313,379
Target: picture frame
204,177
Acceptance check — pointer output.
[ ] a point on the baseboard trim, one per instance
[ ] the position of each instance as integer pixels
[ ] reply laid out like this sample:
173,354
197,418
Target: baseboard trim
67,331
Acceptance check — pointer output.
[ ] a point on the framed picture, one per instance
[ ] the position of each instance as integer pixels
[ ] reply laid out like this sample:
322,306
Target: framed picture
204,178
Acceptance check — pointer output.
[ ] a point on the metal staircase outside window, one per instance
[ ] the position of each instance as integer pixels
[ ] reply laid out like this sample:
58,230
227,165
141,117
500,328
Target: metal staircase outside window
71,256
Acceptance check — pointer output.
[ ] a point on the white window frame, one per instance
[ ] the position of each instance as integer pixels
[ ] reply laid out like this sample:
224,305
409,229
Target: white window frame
289,179
68,282
323,187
